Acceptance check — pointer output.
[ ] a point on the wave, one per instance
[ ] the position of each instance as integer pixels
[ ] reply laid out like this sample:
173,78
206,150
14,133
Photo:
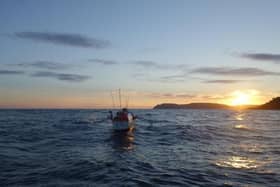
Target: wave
168,148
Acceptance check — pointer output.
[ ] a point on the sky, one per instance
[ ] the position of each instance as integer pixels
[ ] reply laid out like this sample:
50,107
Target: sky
77,54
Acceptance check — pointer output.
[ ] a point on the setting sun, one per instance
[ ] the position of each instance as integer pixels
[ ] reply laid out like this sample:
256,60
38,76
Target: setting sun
240,98
245,97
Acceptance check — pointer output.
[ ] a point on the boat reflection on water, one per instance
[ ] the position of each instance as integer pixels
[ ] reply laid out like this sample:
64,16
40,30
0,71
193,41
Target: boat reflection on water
123,140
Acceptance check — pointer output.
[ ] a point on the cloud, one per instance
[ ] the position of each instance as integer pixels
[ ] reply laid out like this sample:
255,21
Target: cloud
170,95
177,77
229,71
103,61
61,76
262,57
156,65
10,72
151,77
75,40
221,81
44,65
173,77
185,96
146,63
214,97
188,96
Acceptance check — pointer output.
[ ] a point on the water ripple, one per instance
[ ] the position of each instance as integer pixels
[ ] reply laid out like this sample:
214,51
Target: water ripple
167,148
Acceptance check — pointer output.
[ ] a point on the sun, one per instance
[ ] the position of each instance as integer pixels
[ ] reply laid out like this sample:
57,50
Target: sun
240,98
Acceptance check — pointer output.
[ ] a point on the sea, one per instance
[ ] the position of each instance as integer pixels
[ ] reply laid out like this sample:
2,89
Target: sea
167,148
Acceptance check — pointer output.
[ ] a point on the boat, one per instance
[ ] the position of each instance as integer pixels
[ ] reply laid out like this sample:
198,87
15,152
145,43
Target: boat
123,120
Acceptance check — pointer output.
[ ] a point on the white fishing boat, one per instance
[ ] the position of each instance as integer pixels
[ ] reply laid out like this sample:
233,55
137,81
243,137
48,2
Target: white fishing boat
122,120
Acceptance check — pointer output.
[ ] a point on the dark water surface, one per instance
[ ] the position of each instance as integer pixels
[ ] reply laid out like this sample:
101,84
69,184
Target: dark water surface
168,148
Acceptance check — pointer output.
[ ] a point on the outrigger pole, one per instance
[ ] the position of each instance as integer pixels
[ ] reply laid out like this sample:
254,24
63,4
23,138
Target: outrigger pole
113,100
120,98
126,101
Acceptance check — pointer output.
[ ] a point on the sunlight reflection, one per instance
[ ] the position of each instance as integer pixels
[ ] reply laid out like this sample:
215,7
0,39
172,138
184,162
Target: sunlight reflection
239,116
239,126
244,127
256,148
239,162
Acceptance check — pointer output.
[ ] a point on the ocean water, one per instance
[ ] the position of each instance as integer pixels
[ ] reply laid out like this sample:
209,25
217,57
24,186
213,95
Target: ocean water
167,148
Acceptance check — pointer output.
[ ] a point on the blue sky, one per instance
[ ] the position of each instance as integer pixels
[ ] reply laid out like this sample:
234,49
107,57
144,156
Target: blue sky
73,53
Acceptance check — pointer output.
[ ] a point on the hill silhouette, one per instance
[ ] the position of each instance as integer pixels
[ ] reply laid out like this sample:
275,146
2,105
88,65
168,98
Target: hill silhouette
274,104
192,106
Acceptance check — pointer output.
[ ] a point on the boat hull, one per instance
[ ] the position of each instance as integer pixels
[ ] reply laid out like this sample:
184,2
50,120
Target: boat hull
123,125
